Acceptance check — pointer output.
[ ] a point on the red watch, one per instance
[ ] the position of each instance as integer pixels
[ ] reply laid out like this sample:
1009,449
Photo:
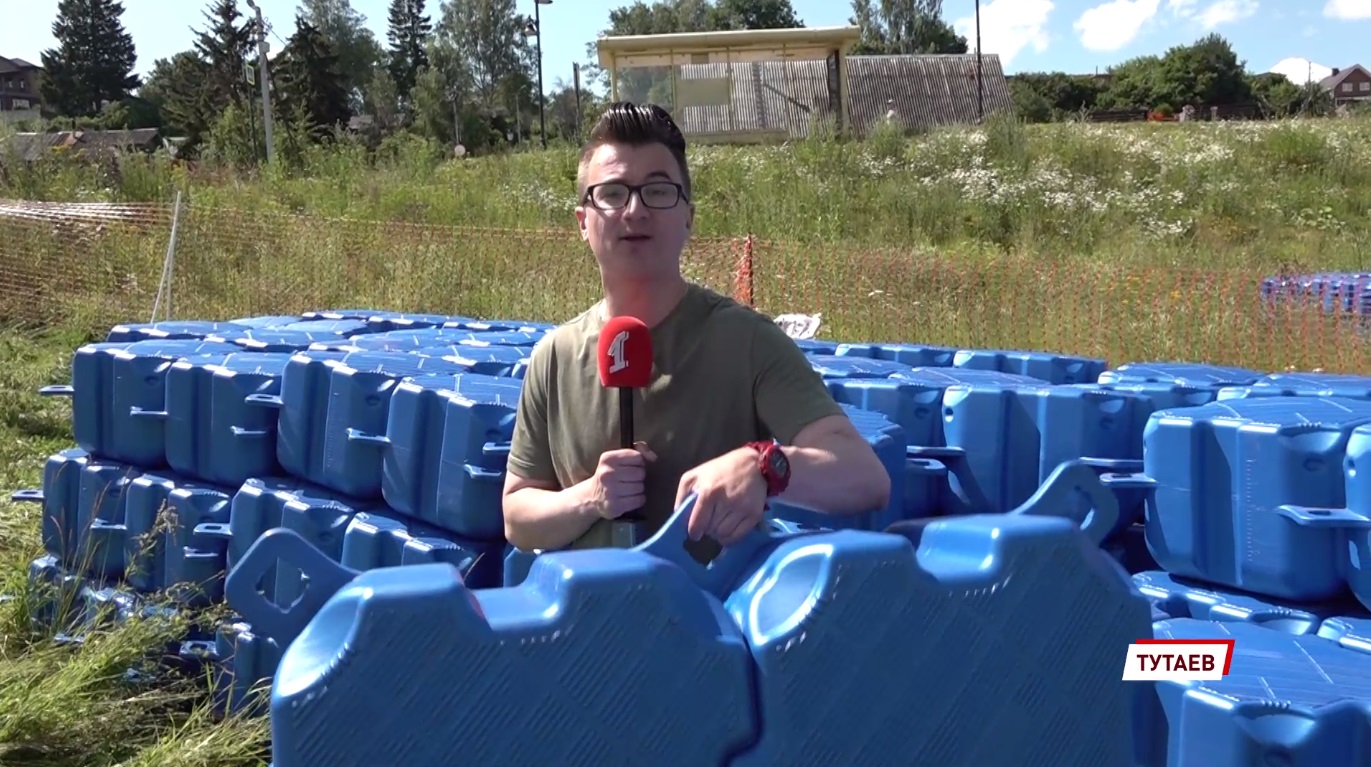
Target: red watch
775,467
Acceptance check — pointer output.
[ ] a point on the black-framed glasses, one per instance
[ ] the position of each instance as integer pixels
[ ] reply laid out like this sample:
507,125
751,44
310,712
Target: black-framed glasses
660,195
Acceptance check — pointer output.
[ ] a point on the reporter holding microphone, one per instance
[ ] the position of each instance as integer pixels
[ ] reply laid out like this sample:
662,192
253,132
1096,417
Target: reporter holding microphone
730,409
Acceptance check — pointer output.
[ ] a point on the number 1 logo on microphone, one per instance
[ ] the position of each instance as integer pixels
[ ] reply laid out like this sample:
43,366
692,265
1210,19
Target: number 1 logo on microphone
616,352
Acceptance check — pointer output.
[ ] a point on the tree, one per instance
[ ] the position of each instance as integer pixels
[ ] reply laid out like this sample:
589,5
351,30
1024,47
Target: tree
309,82
1277,96
382,102
408,35
1207,73
487,36
93,63
224,47
754,14
358,51
442,91
1046,96
176,86
898,27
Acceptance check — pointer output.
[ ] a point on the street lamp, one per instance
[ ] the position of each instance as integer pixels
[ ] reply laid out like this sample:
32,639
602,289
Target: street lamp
534,29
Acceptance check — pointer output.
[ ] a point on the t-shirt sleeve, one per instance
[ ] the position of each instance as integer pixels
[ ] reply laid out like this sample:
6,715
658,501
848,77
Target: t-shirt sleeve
788,392
530,451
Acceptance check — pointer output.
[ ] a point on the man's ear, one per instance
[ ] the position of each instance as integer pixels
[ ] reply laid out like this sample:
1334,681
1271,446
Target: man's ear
581,221
690,217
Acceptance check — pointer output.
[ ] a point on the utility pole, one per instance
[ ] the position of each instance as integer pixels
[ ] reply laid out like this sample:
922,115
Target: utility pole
260,27
980,69
576,80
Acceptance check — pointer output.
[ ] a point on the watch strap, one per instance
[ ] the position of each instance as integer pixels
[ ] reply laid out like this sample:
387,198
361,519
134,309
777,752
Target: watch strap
775,482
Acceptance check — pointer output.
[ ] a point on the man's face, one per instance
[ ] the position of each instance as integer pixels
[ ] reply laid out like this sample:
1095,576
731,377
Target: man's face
641,233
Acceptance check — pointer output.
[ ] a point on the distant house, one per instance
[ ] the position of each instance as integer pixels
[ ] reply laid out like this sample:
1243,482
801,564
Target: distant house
784,99
19,95
31,146
1349,85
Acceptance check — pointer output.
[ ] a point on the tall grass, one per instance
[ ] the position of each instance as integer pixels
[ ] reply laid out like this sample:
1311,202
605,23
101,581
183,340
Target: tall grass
76,705
1214,194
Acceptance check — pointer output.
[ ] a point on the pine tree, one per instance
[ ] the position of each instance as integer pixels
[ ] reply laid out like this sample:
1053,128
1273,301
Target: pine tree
94,59
225,46
408,37
309,81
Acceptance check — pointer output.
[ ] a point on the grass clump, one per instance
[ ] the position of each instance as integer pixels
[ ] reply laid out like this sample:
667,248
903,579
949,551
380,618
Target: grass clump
109,698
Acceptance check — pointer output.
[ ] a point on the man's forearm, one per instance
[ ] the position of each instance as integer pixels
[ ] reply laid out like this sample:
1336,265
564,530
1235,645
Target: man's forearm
548,519
836,480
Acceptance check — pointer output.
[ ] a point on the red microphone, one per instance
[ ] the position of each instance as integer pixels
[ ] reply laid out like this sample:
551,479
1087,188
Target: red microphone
625,358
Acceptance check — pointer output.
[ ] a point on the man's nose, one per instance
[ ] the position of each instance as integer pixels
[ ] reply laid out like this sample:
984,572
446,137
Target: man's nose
635,207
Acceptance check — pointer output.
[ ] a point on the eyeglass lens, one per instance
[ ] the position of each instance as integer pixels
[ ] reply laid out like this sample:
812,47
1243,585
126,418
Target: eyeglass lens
660,194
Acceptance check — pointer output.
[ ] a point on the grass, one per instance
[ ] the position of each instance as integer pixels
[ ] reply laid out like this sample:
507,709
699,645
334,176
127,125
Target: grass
1123,242
63,705
1126,242
1196,194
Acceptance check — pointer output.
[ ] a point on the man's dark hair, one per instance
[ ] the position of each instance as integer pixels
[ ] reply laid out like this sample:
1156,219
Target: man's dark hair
634,125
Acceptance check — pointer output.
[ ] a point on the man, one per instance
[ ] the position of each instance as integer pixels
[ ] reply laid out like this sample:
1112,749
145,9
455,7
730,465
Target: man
724,377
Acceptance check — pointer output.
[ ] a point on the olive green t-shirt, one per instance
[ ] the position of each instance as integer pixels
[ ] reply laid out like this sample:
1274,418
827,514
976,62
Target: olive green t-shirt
723,375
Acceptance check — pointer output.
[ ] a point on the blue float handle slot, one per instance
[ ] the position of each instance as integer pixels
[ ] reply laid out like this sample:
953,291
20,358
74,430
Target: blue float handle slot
324,578
719,576
1072,480
371,440
265,400
1343,519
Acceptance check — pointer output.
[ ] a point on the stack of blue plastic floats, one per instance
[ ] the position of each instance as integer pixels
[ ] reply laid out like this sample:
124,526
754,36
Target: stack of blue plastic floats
1334,293
344,469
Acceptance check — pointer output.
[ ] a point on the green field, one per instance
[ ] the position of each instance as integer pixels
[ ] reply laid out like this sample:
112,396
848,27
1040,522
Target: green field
1123,241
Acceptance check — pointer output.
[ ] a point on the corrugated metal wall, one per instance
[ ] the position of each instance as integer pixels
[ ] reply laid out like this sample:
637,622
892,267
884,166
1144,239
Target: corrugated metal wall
787,97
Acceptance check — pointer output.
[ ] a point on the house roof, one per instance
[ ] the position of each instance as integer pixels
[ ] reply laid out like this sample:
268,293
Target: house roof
31,146
924,91
1332,81
15,65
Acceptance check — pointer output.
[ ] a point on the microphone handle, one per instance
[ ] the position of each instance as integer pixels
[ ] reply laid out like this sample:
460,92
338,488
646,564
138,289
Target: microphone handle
625,417
626,437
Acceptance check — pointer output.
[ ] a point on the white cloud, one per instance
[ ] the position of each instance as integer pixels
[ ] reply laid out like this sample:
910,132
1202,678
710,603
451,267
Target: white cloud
1213,14
1301,71
1348,10
1009,26
1225,12
1115,24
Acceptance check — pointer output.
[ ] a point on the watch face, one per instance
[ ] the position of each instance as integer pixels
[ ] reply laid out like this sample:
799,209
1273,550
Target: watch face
779,463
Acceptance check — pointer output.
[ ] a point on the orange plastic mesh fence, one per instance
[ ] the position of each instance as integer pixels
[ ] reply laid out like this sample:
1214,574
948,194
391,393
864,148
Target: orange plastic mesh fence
100,264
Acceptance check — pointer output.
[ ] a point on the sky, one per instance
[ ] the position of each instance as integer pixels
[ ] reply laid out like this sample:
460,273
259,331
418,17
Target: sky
1077,36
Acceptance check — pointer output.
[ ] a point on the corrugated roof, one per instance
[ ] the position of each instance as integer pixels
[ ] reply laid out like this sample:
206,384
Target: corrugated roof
31,146
925,91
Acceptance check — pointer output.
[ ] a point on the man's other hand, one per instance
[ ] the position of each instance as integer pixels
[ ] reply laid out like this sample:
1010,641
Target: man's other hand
730,496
